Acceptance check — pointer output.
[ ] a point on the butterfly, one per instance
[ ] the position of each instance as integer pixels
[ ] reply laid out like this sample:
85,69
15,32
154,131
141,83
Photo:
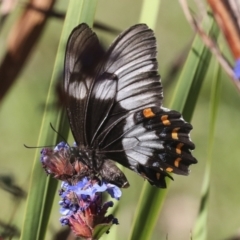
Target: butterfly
115,112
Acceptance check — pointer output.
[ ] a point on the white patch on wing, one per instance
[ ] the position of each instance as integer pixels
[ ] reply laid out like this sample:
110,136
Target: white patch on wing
136,132
134,64
138,157
133,157
77,90
129,143
151,144
133,164
150,135
136,73
134,88
138,100
105,90
129,123
145,151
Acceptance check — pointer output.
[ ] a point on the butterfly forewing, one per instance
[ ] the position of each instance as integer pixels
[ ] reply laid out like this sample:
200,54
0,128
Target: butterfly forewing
135,65
83,55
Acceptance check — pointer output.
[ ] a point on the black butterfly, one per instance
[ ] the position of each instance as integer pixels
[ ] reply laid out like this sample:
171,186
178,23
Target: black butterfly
114,106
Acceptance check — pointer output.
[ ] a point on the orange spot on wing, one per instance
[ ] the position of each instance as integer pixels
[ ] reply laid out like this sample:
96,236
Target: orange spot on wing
176,162
148,113
178,149
174,133
169,169
165,120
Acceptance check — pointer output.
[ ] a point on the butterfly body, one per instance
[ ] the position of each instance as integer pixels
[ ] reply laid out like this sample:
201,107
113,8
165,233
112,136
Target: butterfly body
96,164
115,111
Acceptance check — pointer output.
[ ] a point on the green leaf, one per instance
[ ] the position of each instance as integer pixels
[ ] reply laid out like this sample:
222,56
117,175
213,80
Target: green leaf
149,12
184,100
101,229
200,228
43,189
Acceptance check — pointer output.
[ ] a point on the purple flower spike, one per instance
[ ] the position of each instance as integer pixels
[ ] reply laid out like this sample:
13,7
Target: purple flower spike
57,161
62,164
81,203
83,207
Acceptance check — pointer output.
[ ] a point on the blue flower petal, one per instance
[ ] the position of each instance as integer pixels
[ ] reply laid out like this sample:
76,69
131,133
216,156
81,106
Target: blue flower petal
64,221
65,211
60,146
84,187
91,190
73,188
64,185
237,69
114,191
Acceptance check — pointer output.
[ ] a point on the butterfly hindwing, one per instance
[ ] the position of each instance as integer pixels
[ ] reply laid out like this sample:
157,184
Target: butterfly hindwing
154,143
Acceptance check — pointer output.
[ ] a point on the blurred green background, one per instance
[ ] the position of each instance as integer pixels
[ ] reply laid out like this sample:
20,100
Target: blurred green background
22,109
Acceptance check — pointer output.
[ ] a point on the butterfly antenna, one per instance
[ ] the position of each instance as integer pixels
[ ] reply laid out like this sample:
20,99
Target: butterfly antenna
26,146
30,147
58,133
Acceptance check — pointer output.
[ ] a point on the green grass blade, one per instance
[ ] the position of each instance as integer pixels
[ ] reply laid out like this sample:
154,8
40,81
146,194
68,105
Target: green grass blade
184,100
149,12
191,79
200,228
143,215
42,189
